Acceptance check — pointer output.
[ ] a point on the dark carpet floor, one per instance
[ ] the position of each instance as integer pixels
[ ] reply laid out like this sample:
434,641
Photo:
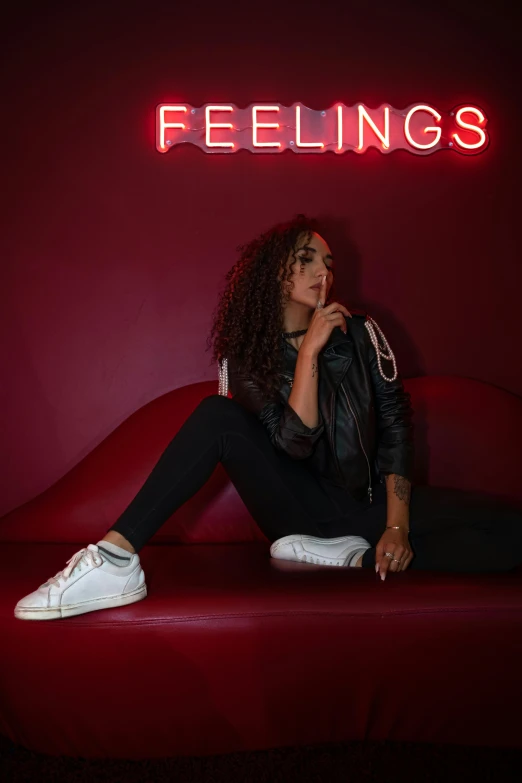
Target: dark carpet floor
356,762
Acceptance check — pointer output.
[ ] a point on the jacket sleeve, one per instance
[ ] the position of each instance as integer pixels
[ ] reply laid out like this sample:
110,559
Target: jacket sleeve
286,430
395,448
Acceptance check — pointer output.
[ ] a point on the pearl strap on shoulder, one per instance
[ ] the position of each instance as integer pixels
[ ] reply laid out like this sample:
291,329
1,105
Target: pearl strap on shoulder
369,324
223,377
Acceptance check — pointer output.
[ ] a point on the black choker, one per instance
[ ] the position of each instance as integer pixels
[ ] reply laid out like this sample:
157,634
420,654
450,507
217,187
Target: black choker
295,334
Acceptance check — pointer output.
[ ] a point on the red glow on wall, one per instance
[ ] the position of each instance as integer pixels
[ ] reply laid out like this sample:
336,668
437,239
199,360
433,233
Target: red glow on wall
419,128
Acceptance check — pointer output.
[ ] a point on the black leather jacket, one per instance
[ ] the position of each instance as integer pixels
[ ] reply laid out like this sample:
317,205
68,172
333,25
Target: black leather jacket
365,428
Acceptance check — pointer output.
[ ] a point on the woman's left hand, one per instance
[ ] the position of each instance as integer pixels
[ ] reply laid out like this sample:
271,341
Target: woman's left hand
395,541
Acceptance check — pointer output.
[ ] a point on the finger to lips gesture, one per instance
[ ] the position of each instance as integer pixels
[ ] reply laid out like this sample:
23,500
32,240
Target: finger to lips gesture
324,320
322,296
332,312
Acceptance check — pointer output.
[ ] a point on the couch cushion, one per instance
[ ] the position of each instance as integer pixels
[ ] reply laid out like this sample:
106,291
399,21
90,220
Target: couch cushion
233,650
467,435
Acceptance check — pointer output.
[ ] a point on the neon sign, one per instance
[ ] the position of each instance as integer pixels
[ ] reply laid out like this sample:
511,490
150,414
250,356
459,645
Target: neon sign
419,128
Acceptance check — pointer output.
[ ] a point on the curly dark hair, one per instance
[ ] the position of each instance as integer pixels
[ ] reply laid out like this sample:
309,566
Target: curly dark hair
248,320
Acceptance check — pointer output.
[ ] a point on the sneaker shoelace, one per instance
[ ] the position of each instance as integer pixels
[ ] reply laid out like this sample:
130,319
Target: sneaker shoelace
85,556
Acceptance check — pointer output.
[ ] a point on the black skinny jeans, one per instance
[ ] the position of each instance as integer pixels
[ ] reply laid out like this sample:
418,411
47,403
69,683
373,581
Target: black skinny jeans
451,530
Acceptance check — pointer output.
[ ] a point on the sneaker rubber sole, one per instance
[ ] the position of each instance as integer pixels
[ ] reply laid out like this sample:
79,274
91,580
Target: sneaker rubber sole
299,536
68,610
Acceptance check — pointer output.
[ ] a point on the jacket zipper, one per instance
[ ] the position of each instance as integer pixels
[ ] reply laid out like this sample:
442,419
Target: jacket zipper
360,441
332,419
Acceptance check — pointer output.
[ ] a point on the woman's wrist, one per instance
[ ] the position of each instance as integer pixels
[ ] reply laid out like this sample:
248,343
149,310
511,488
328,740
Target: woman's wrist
307,353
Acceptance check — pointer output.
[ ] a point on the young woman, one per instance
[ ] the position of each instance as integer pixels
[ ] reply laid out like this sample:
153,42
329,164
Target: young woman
317,438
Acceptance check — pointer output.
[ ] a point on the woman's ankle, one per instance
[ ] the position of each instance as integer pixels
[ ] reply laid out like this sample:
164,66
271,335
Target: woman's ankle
116,538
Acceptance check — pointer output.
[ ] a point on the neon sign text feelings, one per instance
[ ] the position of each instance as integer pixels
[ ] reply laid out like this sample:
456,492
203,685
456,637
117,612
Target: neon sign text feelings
419,128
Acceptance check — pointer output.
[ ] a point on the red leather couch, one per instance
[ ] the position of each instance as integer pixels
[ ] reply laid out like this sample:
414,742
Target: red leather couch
233,650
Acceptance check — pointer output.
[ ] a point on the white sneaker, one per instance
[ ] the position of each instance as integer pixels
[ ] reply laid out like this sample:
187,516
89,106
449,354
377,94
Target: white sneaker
324,551
87,583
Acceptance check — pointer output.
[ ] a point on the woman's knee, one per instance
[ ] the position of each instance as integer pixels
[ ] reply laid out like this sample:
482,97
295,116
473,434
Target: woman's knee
224,411
217,403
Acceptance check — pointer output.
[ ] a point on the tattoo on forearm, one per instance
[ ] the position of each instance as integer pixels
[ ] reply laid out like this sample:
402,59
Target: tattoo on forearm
401,487
314,369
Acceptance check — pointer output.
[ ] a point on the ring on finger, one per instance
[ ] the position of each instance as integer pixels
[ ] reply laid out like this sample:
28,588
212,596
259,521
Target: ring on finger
394,560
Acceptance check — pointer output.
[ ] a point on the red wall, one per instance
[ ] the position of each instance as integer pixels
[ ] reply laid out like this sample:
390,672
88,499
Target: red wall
114,254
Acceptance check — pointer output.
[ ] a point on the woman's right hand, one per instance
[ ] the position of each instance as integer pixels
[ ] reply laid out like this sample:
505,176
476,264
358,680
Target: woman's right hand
323,322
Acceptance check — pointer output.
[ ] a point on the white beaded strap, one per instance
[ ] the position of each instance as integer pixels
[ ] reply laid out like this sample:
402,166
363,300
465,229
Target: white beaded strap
223,377
369,323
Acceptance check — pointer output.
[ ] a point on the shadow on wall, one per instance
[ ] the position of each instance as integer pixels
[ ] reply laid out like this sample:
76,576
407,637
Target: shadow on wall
346,289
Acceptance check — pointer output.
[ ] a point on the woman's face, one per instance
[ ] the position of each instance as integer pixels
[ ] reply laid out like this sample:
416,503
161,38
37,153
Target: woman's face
314,259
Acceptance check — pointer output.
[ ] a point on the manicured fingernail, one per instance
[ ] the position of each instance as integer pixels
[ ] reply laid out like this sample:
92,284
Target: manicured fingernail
383,577
377,568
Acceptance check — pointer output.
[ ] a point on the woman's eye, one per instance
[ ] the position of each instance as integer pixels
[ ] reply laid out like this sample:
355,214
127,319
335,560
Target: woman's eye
308,258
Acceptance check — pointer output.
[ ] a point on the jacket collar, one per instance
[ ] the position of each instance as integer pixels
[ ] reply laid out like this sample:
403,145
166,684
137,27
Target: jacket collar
336,357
